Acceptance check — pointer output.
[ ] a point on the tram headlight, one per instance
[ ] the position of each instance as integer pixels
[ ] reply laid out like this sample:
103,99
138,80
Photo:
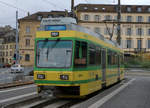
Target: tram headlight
40,76
64,77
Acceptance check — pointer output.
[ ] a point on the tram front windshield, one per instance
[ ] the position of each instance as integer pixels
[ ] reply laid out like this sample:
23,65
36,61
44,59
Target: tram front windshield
54,54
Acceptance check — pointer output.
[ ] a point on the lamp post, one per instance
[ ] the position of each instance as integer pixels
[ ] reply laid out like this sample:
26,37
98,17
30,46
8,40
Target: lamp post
118,24
17,47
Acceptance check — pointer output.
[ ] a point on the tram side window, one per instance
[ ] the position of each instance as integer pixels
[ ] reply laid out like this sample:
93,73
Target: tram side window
98,55
114,58
109,57
92,54
121,59
80,54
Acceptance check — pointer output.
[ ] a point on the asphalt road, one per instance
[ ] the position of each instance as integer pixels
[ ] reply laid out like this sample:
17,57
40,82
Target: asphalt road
135,95
133,92
16,93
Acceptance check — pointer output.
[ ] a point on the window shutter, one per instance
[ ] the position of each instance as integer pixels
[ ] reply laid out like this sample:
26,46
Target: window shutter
136,18
142,31
137,31
132,43
146,43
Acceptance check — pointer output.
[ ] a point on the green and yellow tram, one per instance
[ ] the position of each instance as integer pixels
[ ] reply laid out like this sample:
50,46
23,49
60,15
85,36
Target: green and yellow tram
71,61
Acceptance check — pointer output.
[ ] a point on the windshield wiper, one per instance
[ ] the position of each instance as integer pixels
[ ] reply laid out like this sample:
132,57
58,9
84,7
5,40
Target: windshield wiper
53,46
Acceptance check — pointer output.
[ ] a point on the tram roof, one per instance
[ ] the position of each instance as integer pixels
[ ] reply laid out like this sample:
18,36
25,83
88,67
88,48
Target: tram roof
71,24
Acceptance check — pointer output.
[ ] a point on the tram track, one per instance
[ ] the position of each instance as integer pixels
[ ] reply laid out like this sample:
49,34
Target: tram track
39,102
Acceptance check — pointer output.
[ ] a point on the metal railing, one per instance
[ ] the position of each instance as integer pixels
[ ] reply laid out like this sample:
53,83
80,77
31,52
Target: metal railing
139,50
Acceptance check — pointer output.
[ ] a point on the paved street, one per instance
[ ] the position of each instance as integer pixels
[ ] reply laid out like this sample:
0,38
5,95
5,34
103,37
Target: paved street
16,93
134,94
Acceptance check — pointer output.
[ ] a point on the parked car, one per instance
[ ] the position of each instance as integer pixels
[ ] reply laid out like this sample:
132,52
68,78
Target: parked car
16,68
7,65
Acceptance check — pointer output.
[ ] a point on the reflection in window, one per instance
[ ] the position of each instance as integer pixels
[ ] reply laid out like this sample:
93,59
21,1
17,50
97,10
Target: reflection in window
139,44
128,43
129,32
129,18
80,59
86,17
54,54
97,18
148,44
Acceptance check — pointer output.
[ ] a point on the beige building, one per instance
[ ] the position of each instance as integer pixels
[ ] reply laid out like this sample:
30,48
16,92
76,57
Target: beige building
27,31
7,48
135,24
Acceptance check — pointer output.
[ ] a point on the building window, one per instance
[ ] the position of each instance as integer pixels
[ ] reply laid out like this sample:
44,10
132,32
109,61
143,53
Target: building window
139,9
148,32
6,53
27,29
128,9
148,19
139,18
50,16
10,53
148,44
97,18
139,44
27,57
86,17
39,17
6,46
129,32
148,9
97,30
10,61
139,31
129,18
128,43
106,31
27,42
6,60
108,17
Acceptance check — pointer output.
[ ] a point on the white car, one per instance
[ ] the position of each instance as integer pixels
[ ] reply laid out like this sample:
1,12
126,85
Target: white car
17,68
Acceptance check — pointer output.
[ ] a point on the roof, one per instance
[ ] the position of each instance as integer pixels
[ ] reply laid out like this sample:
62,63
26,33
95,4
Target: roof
111,8
44,15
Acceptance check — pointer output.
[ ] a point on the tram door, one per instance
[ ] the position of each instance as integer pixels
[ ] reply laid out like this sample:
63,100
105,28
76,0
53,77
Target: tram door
118,60
103,65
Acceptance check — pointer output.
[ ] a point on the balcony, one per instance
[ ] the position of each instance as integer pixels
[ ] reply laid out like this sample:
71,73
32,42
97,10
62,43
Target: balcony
139,50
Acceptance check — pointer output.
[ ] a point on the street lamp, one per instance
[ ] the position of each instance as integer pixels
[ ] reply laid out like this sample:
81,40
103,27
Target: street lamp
118,24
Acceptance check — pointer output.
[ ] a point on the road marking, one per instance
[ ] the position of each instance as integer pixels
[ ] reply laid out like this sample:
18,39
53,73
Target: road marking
109,96
18,88
18,97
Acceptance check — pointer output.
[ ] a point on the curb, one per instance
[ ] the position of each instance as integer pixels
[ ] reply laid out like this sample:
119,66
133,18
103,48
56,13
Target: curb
8,85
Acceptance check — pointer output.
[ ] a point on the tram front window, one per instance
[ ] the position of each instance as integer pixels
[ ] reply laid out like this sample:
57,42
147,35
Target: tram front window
54,54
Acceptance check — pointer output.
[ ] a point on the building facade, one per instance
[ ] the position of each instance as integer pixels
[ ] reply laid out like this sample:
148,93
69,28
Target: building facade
135,24
27,32
7,48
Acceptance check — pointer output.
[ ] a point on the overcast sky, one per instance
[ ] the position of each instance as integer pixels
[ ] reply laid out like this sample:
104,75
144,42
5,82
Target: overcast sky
8,7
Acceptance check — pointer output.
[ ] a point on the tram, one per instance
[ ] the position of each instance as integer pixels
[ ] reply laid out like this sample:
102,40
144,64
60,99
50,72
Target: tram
72,61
